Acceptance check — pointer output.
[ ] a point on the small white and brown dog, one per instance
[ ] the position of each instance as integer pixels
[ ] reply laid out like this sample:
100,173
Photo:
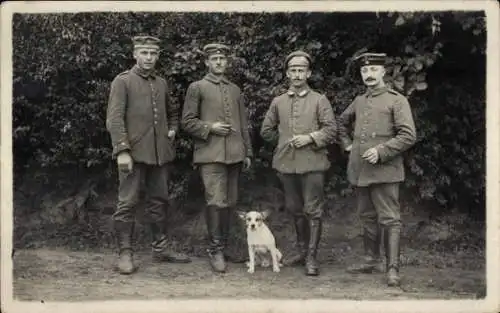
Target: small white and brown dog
260,241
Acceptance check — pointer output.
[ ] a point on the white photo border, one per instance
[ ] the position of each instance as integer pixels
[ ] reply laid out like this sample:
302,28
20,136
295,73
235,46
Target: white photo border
489,304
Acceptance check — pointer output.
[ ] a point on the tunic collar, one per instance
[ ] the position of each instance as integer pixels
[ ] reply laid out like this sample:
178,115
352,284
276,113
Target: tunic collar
376,92
301,93
144,74
216,79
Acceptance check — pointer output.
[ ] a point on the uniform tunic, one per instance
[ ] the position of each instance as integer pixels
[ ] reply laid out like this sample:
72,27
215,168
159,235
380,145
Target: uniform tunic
308,113
383,120
139,117
211,100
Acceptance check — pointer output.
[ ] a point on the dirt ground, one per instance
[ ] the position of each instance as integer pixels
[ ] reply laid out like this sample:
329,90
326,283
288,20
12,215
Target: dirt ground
58,270
63,275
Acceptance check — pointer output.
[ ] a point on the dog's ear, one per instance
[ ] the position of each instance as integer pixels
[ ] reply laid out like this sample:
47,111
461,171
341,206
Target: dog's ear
266,213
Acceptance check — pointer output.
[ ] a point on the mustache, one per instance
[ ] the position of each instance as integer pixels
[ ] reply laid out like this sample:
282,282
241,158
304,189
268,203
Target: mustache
368,79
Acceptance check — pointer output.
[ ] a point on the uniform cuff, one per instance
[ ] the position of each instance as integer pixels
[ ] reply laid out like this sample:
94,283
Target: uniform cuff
316,137
205,131
381,153
120,147
346,143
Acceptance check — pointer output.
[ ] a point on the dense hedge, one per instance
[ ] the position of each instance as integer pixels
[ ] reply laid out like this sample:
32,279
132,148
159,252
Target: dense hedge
64,63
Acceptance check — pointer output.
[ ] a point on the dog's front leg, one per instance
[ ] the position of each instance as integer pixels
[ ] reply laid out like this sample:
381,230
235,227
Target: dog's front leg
274,256
251,259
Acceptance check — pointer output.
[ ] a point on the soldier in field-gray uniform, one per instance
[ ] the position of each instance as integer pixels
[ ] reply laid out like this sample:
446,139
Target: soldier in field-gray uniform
383,130
142,122
302,124
214,115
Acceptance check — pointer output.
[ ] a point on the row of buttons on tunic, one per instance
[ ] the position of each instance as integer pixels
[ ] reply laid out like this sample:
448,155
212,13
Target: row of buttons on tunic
155,110
366,122
295,113
227,109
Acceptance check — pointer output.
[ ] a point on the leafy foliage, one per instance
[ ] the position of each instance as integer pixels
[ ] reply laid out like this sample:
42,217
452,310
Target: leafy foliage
64,63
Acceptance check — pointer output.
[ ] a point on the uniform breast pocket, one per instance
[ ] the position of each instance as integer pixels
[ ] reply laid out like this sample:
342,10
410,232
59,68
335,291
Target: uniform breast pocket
382,121
382,110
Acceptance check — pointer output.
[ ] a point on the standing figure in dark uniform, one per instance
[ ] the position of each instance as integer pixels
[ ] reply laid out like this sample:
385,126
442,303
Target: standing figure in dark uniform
214,115
142,122
383,130
302,124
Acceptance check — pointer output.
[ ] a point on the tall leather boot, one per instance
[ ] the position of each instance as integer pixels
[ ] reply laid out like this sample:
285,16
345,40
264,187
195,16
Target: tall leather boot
392,252
224,226
124,236
312,265
298,255
216,245
371,244
160,248
226,232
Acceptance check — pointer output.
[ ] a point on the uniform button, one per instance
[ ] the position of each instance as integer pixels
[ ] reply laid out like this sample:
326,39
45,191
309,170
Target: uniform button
156,122
362,141
155,109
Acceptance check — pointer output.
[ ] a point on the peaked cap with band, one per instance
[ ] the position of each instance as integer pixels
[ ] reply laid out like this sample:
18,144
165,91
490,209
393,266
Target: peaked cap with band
146,42
371,59
215,48
299,61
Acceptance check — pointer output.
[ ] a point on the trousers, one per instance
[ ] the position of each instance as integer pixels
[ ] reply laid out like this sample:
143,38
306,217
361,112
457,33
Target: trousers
304,194
153,180
221,183
378,204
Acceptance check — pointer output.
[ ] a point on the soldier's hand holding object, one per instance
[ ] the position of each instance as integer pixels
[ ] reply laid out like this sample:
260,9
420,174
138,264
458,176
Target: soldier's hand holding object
348,148
371,155
125,162
221,129
301,140
171,134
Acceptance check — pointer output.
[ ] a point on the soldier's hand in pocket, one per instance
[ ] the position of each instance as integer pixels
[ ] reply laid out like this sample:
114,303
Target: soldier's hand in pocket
125,162
221,129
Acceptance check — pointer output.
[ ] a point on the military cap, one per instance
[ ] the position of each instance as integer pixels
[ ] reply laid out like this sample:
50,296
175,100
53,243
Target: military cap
298,53
146,42
215,48
371,59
